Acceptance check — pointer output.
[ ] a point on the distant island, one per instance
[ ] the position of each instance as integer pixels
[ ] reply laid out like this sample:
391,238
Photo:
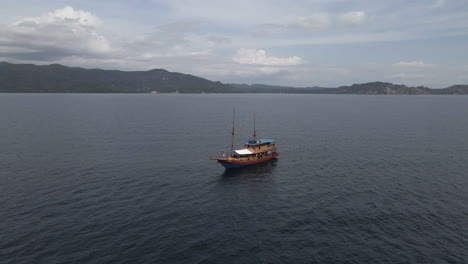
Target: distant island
56,78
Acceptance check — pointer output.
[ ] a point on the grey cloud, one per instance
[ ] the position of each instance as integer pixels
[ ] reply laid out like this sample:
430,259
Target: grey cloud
40,55
315,22
184,25
165,36
218,39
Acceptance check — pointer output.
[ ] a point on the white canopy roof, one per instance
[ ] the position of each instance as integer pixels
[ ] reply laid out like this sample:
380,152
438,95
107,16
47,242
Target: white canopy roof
243,151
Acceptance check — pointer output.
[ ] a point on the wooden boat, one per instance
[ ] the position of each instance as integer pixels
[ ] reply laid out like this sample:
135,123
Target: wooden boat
255,151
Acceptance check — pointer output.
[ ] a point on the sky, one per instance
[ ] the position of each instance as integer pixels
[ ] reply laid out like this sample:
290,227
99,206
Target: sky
303,43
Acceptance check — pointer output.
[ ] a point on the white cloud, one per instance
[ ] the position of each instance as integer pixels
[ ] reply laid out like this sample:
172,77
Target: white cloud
259,57
316,22
413,64
64,32
352,18
66,15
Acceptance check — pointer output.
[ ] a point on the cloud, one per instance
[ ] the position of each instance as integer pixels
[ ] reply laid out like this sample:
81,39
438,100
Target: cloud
180,36
462,77
218,39
413,64
438,3
313,23
307,75
64,32
202,38
66,15
183,25
322,21
352,18
259,57
404,75
228,71
414,72
316,22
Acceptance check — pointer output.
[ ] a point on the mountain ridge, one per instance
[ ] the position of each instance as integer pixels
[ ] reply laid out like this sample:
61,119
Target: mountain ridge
57,78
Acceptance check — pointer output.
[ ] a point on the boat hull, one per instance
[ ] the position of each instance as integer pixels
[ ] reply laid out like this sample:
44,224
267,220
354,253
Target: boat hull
239,164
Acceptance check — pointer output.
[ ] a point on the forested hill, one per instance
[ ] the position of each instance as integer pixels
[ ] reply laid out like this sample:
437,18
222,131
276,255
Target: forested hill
55,78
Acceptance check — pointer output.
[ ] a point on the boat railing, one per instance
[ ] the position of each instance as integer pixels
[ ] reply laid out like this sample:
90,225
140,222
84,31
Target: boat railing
218,157
263,149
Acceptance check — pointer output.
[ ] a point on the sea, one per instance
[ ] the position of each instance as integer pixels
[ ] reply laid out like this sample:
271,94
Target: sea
126,178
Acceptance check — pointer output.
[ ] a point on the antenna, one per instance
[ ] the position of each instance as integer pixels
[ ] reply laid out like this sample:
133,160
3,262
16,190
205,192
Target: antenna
233,131
255,132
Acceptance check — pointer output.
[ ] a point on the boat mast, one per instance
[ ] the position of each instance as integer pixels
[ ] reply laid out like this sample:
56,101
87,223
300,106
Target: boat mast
255,132
233,131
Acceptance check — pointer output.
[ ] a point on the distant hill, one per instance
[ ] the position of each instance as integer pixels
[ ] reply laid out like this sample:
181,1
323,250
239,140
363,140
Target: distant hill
456,89
363,88
382,88
55,78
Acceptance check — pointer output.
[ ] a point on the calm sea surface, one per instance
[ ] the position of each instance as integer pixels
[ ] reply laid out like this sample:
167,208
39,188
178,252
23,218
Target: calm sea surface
113,178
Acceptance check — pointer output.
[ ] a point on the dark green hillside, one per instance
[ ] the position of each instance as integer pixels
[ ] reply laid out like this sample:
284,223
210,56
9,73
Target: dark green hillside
56,78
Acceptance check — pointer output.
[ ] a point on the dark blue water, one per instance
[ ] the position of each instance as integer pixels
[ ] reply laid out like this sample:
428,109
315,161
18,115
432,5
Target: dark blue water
126,179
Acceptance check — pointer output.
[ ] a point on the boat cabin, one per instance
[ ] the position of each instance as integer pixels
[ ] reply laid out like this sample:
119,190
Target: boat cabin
256,149
261,144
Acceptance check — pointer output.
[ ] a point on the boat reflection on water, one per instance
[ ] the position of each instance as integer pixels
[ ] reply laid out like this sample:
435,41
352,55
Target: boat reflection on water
256,170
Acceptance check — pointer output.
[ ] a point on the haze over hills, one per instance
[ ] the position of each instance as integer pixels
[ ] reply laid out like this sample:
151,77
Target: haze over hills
55,78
